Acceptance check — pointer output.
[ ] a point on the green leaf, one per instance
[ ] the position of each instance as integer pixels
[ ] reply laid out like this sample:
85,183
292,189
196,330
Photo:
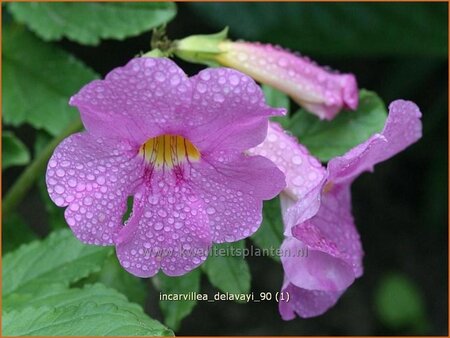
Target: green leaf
88,23
113,275
327,139
277,99
270,234
175,311
399,303
57,298
38,80
336,29
60,296
14,152
227,269
59,259
84,319
55,214
15,232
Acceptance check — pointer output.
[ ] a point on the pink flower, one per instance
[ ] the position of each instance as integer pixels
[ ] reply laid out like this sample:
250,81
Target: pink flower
316,206
319,90
176,144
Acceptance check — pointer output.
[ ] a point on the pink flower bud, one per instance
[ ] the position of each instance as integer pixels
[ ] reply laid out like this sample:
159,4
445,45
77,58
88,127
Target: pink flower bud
319,90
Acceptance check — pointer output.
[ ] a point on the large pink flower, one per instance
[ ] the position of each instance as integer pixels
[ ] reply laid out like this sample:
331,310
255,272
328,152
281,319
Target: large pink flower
319,90
176,144
316,206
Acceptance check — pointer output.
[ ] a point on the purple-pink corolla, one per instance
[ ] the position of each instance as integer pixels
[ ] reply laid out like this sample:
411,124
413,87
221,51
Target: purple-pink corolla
176,144
316,207
319,90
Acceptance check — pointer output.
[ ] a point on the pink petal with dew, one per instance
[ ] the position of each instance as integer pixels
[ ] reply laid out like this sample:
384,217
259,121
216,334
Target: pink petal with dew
143,99
332,230
228,111
306,303
315,270
233,194
93,177
168,230
402,128
303,172
316,88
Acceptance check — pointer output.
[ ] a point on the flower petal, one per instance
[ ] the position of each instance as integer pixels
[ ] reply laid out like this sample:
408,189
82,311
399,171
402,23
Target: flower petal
168,230
315,271
303,172
332,230
93,177
403,127
230,111
145,98
306,303
233,193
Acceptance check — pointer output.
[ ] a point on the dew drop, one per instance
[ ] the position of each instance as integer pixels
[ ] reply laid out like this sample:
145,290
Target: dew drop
297,160
298,181
72,182
205,76
59,201
87,200
162,213
160,76
234,80
59,189
60,172
218,98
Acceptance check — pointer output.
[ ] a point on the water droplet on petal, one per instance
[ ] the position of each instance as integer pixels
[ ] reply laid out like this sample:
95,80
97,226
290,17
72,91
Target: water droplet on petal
297,160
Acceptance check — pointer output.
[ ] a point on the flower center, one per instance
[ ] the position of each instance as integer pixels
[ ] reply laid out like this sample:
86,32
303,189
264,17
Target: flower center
168,151
328,186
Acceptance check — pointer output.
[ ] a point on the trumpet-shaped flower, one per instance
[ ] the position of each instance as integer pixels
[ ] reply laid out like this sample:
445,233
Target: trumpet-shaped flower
319,90
316,207
176,145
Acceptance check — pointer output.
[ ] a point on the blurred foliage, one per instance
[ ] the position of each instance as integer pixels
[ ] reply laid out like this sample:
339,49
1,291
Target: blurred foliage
399,304
336,29
15,232
269,236
229,272
14,152
87,23
328,139
114,276
176,311
32,88
277,99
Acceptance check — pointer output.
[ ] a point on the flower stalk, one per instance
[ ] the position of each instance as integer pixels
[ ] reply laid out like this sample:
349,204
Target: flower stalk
26,180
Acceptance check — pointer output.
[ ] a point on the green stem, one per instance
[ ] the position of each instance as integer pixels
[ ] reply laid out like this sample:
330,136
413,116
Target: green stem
20,188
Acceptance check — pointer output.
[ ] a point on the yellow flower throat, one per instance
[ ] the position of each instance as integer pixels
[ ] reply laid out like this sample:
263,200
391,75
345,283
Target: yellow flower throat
168,151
